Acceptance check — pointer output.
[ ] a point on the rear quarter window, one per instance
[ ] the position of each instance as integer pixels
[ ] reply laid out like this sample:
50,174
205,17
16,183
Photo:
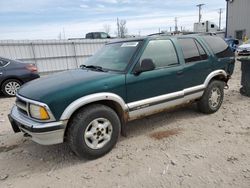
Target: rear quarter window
218,46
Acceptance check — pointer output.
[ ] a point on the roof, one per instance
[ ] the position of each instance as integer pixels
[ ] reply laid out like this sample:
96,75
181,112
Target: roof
161,35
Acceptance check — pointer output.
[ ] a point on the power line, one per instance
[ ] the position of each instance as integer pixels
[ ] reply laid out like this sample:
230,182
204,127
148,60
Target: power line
200,6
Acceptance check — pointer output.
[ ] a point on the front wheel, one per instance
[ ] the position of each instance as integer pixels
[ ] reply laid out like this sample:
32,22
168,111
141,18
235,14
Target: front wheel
212,98
94,131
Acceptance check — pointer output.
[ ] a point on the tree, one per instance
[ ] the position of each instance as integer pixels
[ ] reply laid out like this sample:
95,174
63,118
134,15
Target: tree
121,28
107,28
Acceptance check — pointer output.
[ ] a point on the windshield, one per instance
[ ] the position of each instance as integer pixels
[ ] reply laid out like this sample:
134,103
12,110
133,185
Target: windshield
114,56
247,42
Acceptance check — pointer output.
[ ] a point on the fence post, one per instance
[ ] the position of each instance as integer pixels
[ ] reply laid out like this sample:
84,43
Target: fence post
74,49
33,52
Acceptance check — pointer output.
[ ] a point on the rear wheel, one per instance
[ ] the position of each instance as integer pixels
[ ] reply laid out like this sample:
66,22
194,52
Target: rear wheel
94,131
212,98
10,87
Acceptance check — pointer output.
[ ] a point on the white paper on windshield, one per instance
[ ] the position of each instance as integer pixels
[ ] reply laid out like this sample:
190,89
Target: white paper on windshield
129,44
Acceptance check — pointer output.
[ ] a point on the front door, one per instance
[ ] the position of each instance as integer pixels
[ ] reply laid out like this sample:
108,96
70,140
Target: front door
164,79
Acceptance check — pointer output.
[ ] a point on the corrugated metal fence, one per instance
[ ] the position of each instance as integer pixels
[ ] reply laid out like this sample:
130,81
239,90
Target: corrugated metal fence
51,55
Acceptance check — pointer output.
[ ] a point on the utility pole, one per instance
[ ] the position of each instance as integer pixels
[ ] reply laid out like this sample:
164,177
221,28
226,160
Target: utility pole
118,27
200,6
176,24
64,35
220,12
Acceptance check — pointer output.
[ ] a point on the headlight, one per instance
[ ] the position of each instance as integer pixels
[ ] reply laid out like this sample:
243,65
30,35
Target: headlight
38,112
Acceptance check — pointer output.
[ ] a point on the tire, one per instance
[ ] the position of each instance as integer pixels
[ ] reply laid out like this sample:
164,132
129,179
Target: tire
10,87
212,98
93,131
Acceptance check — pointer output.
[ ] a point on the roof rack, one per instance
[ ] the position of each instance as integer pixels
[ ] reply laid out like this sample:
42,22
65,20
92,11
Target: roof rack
183,33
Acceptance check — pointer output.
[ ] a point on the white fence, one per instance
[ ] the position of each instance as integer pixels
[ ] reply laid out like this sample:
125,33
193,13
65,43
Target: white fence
51,55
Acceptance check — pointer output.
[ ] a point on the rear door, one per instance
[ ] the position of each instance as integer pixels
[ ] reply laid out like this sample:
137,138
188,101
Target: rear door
197,62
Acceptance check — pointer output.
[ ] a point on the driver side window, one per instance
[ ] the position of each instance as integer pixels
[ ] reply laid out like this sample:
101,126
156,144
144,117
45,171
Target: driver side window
162,52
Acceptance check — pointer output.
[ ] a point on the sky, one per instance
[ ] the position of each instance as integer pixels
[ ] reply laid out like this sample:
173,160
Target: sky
49,19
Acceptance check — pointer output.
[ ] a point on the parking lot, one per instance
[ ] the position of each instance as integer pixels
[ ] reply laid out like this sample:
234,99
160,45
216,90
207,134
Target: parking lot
182,148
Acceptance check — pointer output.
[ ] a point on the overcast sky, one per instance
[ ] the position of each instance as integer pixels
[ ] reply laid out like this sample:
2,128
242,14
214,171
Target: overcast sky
46,19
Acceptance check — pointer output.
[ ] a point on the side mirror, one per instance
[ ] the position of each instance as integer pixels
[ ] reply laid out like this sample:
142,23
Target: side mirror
236,42
145,65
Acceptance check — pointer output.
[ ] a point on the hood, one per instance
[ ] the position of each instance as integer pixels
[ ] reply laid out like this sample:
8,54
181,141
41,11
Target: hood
243,46
59,90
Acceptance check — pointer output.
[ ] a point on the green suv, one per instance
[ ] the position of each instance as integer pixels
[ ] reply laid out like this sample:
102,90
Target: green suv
125,80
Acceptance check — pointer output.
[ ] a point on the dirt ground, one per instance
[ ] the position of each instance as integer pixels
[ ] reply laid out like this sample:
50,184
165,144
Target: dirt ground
183,148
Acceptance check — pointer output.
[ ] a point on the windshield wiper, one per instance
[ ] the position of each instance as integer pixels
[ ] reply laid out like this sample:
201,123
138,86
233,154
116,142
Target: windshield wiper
93,67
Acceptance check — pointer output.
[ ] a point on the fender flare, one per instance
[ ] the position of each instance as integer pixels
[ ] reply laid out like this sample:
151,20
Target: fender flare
213,74
90,99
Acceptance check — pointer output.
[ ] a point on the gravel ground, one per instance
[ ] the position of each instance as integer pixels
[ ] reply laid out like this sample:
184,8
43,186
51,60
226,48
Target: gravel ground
182,148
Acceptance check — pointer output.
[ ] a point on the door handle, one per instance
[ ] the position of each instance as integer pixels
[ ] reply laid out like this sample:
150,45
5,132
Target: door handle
179,72
1,73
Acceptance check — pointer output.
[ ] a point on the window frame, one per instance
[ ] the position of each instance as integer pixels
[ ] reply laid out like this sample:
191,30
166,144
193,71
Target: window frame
163,67
197,42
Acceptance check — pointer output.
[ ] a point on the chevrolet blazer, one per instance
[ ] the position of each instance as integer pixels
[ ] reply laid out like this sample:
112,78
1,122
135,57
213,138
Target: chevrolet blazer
89,107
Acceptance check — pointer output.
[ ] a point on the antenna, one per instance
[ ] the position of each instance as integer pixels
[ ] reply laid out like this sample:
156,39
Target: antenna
200,6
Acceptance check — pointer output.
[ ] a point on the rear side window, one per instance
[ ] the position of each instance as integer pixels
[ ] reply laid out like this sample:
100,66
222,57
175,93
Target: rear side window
192,50
218,46
162,52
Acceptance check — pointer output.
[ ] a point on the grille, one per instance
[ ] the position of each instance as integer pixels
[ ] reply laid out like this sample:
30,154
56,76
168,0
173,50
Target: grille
22,106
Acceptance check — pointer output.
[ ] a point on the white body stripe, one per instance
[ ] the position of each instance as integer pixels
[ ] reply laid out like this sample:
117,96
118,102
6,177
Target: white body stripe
144,106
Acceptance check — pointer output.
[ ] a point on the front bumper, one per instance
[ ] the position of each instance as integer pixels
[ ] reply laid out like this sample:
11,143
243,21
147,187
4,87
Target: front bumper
42,133
243,52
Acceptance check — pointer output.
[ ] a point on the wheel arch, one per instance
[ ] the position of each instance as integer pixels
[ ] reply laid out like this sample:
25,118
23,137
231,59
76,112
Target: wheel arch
111,100
216,75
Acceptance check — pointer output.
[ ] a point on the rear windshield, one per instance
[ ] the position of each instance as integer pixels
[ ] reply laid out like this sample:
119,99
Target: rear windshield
115,56
218,46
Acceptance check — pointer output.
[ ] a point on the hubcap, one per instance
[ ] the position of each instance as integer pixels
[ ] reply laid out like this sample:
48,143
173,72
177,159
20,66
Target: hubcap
98,133
215,97
11,88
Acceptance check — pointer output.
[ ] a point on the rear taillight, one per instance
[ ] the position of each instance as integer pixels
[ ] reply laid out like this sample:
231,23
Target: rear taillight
31,67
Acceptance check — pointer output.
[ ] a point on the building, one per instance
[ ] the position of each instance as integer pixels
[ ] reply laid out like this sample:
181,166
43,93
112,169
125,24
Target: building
238,15
206,26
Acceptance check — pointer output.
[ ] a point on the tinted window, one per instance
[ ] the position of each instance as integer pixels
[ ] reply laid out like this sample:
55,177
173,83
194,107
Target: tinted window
218,46
203,54
190,50
96,35
162,52
89,36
